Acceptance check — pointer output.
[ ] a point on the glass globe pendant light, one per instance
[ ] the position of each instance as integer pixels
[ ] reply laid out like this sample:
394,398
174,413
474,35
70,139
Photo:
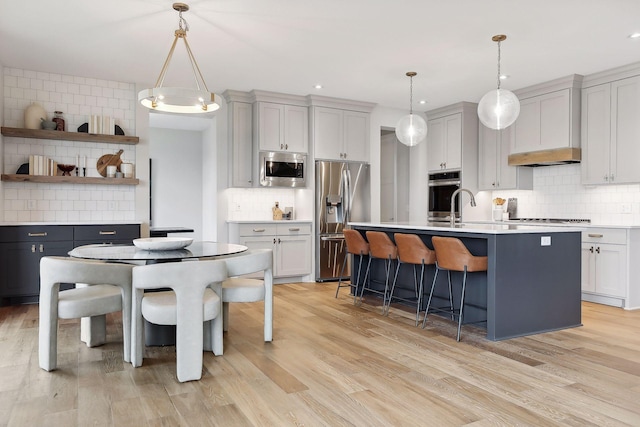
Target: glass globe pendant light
499,108
411,129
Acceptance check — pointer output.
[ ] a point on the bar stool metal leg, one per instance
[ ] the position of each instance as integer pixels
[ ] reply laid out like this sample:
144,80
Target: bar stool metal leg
464,284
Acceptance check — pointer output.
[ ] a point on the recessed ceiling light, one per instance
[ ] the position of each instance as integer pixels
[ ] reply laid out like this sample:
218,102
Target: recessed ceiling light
317,86
634,36
503,77
422,101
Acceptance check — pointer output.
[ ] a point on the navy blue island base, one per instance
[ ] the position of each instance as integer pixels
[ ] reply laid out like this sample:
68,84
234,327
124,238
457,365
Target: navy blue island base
529,288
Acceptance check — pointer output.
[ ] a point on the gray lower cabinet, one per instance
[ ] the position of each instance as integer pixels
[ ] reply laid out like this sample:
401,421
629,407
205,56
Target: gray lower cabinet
22,247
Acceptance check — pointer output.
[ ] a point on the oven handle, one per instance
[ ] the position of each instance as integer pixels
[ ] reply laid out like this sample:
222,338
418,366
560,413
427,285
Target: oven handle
444,182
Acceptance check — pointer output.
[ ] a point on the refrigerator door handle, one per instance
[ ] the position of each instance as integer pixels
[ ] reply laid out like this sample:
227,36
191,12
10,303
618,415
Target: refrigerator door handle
346,197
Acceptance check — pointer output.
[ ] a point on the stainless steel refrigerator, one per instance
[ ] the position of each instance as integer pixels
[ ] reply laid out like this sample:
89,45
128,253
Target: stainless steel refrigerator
342,195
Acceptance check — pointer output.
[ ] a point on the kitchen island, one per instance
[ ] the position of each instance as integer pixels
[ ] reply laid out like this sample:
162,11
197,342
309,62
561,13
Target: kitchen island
532,284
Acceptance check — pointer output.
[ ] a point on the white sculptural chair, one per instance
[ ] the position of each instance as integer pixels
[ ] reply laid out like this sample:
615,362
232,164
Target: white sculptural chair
194,299
243,289
106,289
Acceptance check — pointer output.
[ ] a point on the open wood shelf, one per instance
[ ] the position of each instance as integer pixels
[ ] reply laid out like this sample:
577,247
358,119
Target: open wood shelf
69,179
69,136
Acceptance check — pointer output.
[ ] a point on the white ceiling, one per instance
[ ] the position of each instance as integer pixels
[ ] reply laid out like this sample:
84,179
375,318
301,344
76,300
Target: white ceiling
357,49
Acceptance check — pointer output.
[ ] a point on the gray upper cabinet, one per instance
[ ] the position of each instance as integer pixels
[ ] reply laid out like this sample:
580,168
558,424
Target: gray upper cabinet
494,172
340,128
611,132
282,127
240,138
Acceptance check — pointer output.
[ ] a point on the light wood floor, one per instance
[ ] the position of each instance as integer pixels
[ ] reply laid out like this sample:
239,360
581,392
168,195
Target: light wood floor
332,364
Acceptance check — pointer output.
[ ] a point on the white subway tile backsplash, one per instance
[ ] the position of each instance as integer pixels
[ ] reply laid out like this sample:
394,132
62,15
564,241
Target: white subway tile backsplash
557,192
77,97
256,203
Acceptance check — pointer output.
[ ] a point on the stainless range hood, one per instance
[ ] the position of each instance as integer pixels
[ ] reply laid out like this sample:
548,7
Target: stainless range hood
558,156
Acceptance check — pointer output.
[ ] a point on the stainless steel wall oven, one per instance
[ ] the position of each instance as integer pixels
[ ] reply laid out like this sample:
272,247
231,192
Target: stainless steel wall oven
441,187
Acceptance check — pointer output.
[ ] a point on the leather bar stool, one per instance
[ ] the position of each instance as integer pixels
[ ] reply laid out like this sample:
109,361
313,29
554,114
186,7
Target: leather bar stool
411,250
453,255
356,246
380,247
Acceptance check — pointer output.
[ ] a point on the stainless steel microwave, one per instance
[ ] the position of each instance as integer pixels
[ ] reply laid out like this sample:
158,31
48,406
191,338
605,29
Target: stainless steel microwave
282,169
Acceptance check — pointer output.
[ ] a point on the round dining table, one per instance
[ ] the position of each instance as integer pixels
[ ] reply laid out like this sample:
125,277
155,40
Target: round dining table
127,253
155,335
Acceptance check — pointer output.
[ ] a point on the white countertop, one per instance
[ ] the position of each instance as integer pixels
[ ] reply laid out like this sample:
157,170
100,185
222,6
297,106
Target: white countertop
270,221
481,228
546,224
14,223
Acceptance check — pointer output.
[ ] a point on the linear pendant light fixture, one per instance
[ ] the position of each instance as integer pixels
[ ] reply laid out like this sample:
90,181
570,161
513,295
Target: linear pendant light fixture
411,129
178,99
498,108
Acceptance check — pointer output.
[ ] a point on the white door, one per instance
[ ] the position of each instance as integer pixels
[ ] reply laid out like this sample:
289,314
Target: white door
596,134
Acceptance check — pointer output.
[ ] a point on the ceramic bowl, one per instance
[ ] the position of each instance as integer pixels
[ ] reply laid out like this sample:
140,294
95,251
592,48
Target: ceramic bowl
48,125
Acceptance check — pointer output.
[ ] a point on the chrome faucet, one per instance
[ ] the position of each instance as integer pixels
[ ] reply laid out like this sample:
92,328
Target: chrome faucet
453,204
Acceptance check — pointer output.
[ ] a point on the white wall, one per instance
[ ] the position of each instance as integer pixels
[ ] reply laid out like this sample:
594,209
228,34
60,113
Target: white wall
177,179
78,97
388,118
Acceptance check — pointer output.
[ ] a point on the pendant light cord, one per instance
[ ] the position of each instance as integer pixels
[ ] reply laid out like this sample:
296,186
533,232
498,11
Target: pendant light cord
499,65
411,95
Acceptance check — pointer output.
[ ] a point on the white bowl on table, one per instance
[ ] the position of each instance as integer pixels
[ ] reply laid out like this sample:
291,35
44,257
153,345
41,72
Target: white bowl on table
162,243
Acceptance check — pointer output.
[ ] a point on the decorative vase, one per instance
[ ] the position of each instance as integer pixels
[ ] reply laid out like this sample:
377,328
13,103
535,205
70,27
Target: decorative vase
33,115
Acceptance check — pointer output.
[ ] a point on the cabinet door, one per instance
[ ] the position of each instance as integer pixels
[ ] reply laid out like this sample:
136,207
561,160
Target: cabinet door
328,133
241,144
588,267
487,158
21,265
611,267
270,126
356,136
527,127
596,134
293,257
296,129
435,144
625,131
263,242
453,141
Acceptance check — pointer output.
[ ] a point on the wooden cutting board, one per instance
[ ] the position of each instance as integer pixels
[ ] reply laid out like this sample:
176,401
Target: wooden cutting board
109,160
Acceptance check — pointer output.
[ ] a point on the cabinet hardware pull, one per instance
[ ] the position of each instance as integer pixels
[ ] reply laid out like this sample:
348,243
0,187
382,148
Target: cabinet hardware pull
41,248
612,177
258,230
107,233
274,240
38,234
594,235
294,229
33,248
598,249
591,249
279,241
286,146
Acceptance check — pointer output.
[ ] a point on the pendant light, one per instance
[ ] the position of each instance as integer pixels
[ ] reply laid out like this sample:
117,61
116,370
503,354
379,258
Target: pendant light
411,129
499,108
178,99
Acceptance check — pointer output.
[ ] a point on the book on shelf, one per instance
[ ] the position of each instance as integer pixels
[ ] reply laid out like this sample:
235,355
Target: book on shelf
42,165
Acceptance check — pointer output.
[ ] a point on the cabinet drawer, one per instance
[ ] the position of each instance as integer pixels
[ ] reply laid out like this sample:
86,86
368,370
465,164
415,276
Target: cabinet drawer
105,233
605,235
36,233
257,229
293,229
